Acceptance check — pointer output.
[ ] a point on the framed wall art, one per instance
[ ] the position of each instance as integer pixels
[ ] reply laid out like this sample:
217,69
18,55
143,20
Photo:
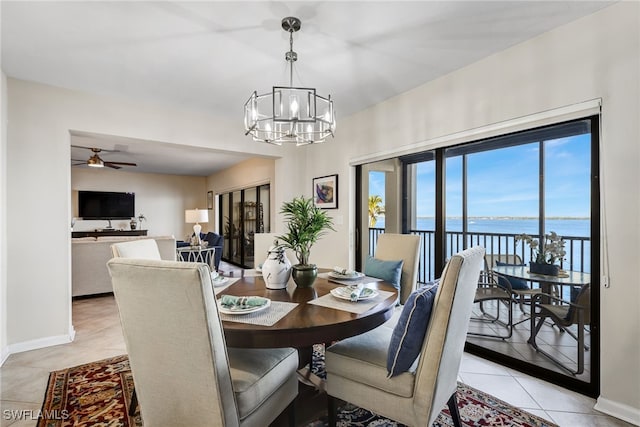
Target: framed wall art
209,199
325,192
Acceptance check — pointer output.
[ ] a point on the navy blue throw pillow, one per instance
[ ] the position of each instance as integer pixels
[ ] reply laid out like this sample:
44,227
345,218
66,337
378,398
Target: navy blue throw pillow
389,271
408,335
516,284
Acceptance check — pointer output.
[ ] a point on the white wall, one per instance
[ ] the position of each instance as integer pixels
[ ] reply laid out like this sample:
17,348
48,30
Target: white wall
161,198
3,222
595,57
38,175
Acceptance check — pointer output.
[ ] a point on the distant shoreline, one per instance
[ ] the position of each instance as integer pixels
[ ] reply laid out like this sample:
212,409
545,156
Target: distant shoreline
572,218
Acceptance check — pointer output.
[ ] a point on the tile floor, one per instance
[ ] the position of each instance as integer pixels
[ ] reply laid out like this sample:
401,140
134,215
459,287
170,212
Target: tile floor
23,377
560,345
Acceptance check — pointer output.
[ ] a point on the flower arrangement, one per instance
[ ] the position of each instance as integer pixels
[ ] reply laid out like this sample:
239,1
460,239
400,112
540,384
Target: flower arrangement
549,251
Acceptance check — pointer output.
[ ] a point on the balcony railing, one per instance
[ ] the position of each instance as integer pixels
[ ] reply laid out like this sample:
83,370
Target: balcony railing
577,259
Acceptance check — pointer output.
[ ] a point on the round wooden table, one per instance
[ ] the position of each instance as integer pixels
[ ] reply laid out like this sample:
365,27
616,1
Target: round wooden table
307,324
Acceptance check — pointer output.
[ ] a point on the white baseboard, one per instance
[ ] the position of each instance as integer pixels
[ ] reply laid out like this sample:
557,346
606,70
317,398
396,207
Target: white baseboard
41,343
618,410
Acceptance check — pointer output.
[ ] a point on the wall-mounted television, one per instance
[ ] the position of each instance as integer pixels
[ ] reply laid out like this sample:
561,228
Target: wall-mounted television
106,205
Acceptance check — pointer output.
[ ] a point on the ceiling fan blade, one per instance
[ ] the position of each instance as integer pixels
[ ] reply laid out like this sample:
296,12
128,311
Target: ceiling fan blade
79,163
111,165
120,163
95,149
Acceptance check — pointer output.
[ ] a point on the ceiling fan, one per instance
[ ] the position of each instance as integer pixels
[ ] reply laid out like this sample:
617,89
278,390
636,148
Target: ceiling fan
96,162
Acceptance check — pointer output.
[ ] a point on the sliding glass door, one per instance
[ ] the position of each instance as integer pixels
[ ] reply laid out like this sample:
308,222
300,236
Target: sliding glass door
243,213
489,192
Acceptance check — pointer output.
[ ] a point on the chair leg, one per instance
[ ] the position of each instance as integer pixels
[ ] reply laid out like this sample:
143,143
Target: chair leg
331,410
291,412
134,403
453,410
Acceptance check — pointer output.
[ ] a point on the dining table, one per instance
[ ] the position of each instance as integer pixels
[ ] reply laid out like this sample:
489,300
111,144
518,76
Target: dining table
301,317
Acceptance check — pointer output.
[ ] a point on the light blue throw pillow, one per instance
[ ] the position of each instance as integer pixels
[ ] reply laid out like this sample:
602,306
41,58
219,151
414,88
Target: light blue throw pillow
408,335
389,271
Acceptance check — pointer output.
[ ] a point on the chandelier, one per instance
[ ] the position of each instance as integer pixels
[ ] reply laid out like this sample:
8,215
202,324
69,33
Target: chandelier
289,114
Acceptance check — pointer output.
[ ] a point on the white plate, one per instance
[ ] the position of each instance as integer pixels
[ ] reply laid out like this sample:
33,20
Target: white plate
225,310
354,276
219,281
345,293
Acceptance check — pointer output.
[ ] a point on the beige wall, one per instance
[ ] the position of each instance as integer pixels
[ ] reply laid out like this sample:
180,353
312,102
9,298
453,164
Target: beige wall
250,173
161,198
595,57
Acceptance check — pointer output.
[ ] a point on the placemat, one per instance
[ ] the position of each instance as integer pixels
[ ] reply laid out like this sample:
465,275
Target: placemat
359,307
231,281
364,280
266,317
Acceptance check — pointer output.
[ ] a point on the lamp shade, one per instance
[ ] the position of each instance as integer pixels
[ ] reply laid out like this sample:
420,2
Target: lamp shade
195,216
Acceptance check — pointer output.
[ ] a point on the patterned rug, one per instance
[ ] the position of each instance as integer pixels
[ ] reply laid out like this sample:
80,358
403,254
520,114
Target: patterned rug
99,394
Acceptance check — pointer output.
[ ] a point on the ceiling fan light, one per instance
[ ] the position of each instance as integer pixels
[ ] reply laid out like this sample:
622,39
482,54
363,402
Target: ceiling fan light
95,162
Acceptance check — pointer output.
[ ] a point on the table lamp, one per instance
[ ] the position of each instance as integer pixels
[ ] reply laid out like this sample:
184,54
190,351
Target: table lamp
196,216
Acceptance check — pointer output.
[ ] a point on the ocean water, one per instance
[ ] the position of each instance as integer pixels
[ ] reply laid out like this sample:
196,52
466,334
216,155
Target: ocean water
578,256
564,227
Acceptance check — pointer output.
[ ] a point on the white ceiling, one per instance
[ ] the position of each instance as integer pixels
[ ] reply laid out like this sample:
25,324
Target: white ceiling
211,55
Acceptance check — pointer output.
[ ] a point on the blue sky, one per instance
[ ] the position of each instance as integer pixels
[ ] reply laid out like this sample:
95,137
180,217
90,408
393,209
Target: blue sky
505,182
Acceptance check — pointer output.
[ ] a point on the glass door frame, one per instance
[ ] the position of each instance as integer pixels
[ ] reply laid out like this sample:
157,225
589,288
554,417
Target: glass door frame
591,388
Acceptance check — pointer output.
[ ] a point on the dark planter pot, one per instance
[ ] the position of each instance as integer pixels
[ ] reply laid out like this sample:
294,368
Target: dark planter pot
304,275
545,269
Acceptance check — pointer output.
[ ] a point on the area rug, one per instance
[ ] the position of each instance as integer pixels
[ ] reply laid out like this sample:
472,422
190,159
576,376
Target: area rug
99,394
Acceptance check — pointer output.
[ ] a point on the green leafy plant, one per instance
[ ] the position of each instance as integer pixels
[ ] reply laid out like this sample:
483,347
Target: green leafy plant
306,223
375,209
550,250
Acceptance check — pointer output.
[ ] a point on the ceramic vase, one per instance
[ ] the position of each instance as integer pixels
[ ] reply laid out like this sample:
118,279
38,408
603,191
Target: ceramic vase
544,269
276,269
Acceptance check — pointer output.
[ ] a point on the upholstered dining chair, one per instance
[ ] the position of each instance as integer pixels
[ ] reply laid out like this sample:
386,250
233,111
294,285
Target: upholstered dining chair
183,371
564,315
357,367
406,247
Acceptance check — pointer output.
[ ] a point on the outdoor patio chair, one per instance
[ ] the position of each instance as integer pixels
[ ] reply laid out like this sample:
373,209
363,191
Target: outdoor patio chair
183,371
489,290
564,315
357,367
522,295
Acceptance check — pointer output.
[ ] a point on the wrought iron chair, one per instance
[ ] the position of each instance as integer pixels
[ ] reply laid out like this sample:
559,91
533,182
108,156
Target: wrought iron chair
564,314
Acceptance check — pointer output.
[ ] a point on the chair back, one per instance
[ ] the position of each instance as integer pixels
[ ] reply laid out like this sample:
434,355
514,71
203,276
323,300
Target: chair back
441,354
142,249
406,247
175,342
490,260
583,300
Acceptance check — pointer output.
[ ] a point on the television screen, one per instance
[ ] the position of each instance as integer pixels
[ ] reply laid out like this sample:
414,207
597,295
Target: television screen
106,205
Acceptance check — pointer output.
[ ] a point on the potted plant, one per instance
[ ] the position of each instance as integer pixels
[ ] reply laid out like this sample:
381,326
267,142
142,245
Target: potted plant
306,223
545,254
